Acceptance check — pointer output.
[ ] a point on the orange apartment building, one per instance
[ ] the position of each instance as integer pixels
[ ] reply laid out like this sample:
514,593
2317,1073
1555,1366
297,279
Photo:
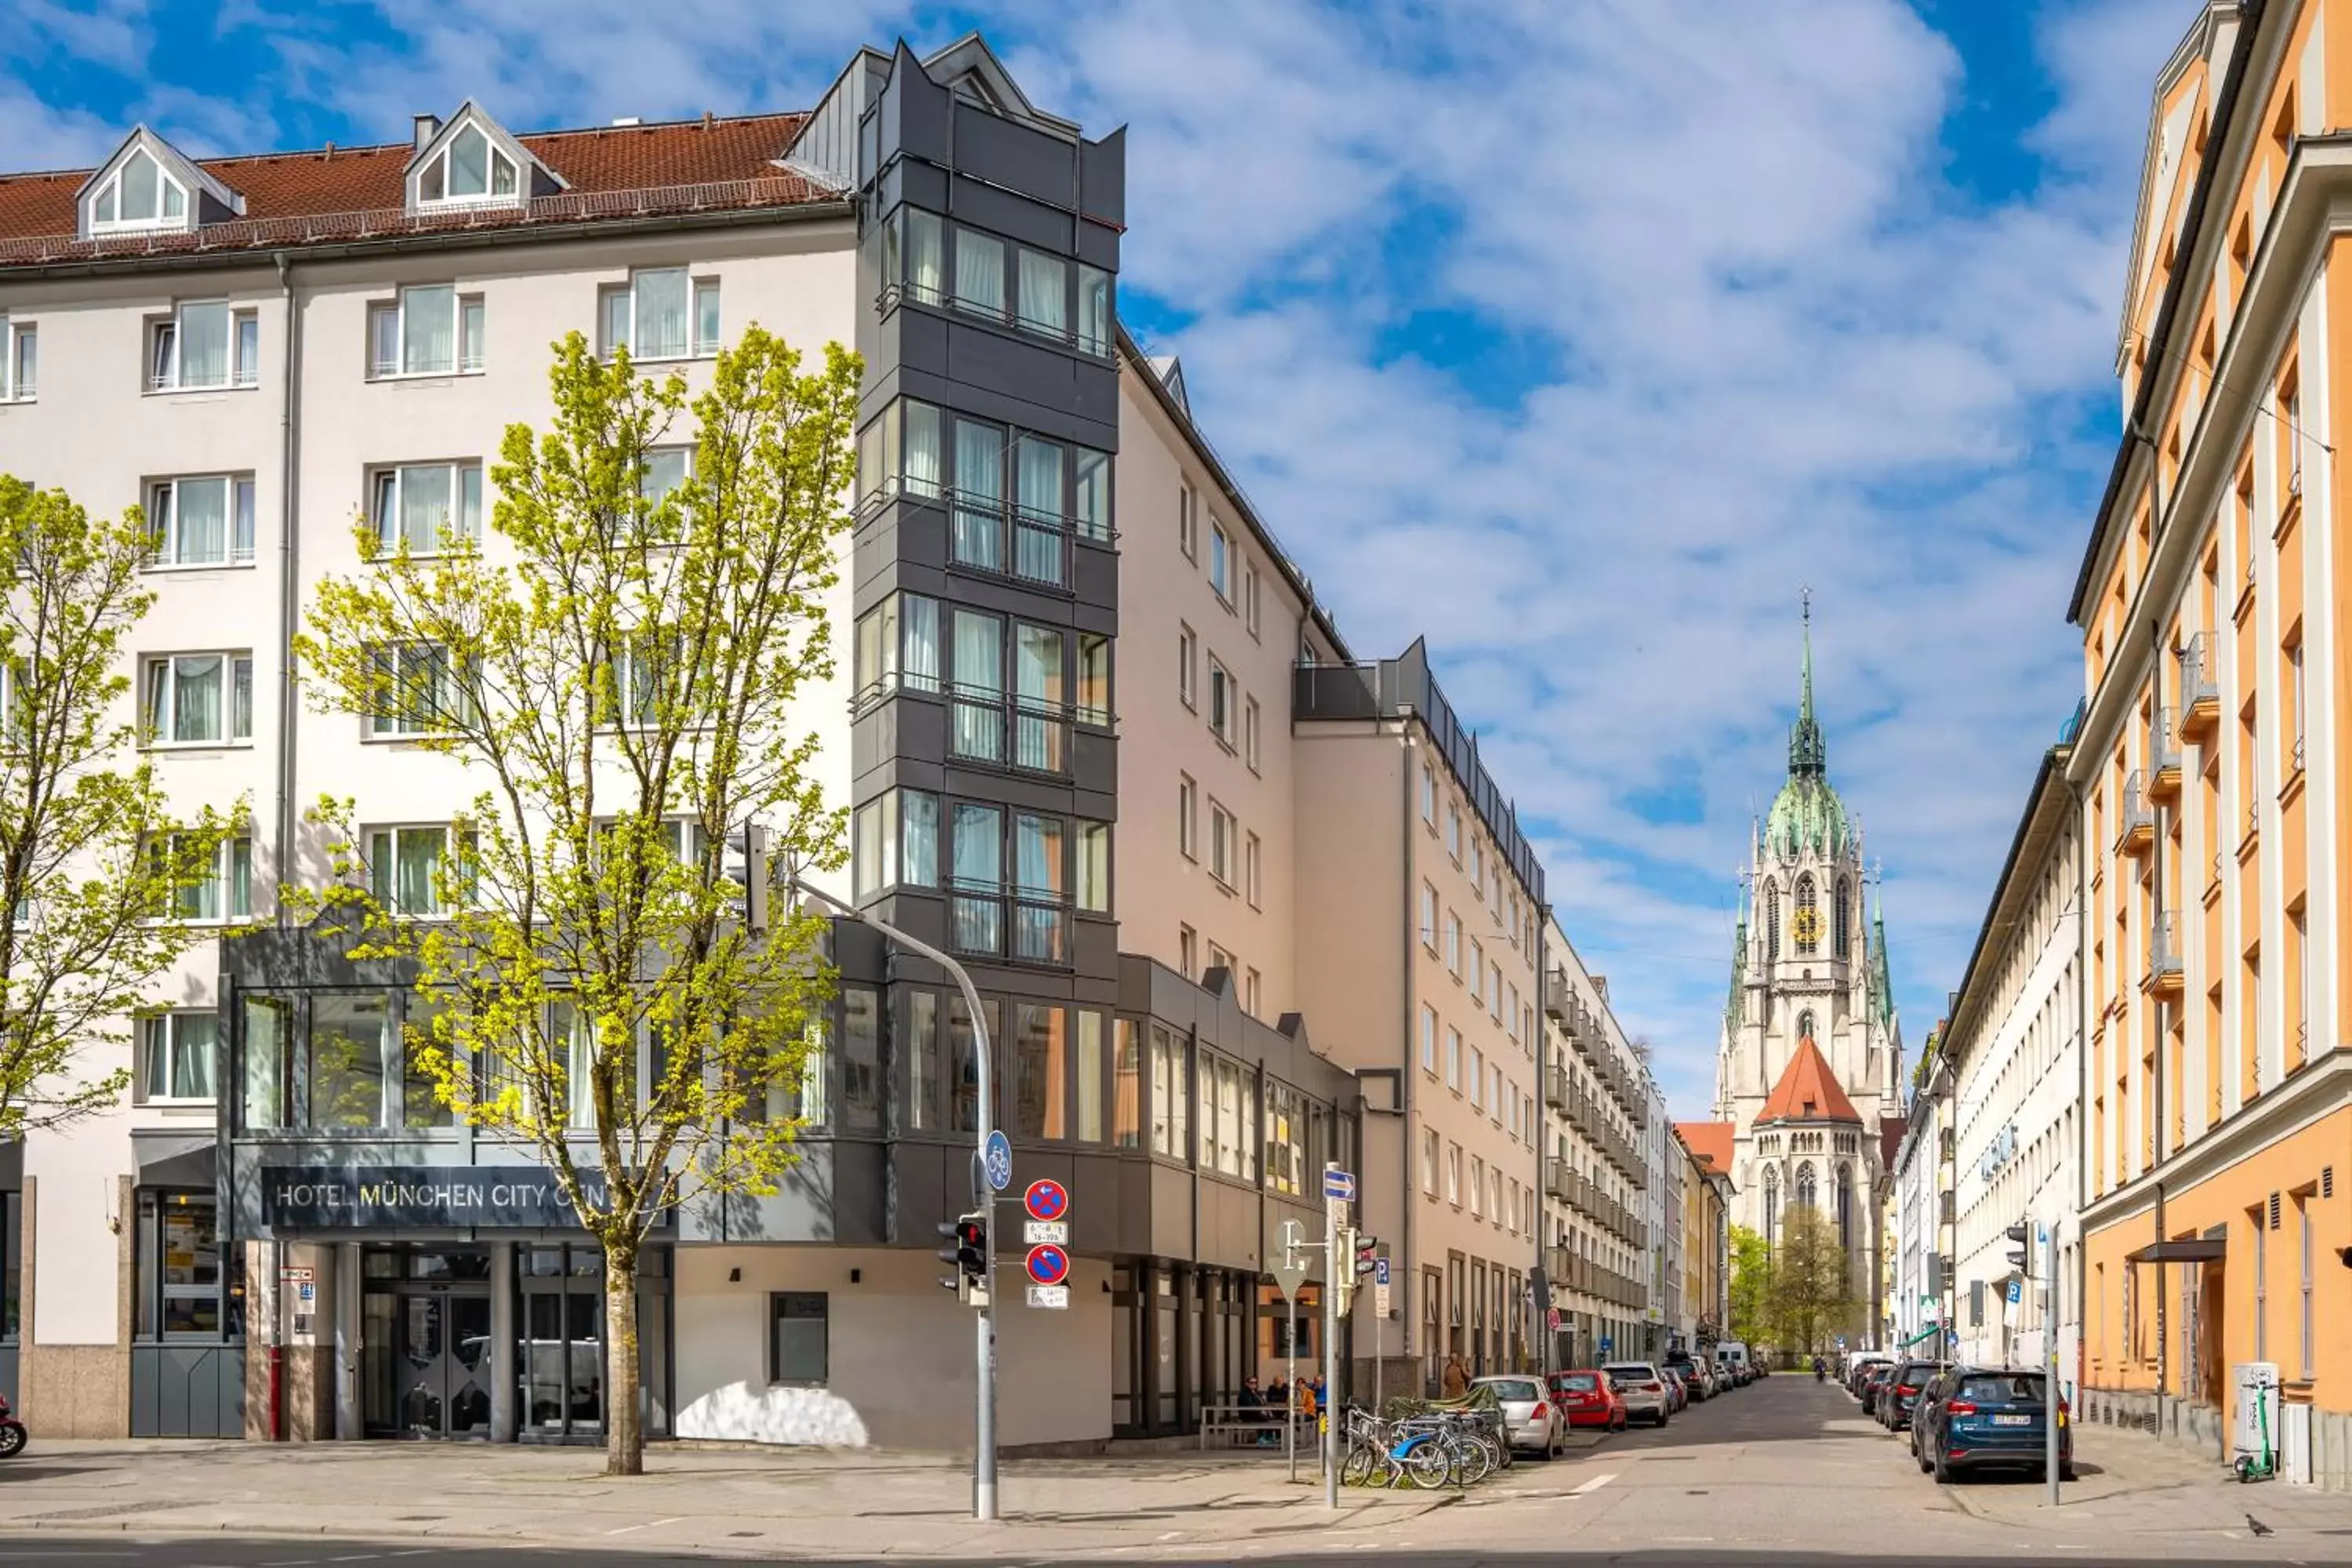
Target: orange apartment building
2214,756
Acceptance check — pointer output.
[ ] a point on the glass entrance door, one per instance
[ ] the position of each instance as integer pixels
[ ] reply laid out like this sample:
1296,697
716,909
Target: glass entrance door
562,1352
426,1333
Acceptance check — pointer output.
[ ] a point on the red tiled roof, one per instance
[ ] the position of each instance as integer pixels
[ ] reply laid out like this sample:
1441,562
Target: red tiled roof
1890,1140
1708,1142
345,192
1808,1090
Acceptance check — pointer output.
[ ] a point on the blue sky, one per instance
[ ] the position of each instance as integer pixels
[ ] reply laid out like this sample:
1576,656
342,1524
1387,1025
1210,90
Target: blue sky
1578,336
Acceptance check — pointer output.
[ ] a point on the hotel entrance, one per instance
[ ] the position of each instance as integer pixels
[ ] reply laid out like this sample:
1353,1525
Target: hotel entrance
425,1359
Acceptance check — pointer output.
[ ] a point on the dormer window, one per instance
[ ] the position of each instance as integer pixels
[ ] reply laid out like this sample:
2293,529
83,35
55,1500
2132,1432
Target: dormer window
471,168
139,195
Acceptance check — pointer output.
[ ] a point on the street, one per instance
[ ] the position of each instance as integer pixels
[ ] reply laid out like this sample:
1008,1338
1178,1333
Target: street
1785,1472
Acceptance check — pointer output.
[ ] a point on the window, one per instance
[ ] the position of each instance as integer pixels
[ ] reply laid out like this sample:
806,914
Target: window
2308,1322
139,195
1250,733
899,449
1220,703
1429,1161
979,273
914,256
1045,302
180,1259
429,330
470,168
1478,1187
417,506
177,1053
1092,882
661,315
1454,833
1090,494
203,522
1454,943
1429,795
797,1337
1095,317
1453,1174
1222,836
1495,991
200,699
407,874
1251,852
1477,971
1187,951
1188,825
1477,1078
20,360
1477,864
1188,522
1428,917
205,345
1250,598
2261,1288
976,876
1429,1039
225,891
1453,1059
1221,561
1094,680
1186,647
418,693
2295,697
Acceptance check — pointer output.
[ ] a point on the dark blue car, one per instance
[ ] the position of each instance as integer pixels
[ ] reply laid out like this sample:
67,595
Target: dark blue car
1983,1418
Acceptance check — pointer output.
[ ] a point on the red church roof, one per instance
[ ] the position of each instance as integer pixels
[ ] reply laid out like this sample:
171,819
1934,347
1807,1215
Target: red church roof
1808,1091
1708,1142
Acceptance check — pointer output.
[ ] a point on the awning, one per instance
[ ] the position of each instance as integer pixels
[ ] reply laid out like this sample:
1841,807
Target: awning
167,1158
2199,1250
1929,1331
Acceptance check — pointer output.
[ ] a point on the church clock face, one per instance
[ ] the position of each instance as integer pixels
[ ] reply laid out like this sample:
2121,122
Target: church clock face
1807,927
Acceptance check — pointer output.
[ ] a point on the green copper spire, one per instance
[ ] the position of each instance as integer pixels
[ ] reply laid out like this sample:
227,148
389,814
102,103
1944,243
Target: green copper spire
1808,753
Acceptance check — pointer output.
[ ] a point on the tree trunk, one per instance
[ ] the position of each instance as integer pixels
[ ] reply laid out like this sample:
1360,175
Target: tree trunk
625,1435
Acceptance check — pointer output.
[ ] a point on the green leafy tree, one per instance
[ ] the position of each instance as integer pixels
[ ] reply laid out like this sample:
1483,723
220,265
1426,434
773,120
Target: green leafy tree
618,668
1811,1296
1751,1287
98,876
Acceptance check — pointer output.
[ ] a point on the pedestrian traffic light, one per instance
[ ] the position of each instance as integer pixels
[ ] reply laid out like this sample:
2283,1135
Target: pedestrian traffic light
745,864
1368,1255
967,1249
2021,1255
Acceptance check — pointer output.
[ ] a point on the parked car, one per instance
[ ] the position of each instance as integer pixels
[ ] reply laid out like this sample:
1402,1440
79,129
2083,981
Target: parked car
1923,1409
1677,1386
1860,1363
1894,1396
1993,1418
1530,1420
1644,1390
1696,1376
1874,1378
1732,1355
1589,1398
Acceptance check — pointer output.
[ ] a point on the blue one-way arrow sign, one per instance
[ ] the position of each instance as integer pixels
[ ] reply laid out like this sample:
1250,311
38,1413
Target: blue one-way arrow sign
1339,1186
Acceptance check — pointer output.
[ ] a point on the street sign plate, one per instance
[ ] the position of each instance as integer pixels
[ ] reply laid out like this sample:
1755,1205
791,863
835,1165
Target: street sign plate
1607,1344
1056,1231
1339,1186
1380,1272
1379,1300
998,1160
1551,1320
1048,1263
2016,1291
1054,1296
1047,1199
1289,1266
298,1276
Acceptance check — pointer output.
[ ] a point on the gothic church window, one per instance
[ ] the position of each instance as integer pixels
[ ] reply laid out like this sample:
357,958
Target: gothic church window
1807,927
1846,1207
1772,924
1771,1205
1807,1192
1844,918
1805,1026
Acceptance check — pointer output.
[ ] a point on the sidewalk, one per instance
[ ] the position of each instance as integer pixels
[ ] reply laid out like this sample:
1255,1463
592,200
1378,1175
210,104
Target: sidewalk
806,1504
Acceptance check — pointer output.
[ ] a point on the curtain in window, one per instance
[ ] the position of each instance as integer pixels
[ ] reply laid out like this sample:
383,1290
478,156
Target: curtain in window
977,869
616,320
568,1032
924,263
241,544
203,521
383,340
1037,858
1038,683
204,345
428,331
979,686
424,507
922,454
196,698
416,857
1090,501
919,826
921,616
191,1061
1040,477
979,494
661,315
980,272
1094,309
1044,292
470,503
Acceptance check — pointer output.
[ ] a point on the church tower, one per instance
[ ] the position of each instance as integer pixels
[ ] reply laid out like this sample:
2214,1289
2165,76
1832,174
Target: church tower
1806,1071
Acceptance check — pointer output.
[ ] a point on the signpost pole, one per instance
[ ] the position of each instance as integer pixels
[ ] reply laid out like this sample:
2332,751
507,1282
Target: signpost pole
1333,1263
1290,1394
983,1458
2050,1393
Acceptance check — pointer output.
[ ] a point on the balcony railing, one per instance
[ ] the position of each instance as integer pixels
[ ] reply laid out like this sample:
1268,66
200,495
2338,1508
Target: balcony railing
1559,1092
2200,688
1558,995
2163,757
2136,826
2164,952
1560,1178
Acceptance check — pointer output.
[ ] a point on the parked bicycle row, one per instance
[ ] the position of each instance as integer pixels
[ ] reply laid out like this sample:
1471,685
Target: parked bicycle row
1461,1443
1961,1419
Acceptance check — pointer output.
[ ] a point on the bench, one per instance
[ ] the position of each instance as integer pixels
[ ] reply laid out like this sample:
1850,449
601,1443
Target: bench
1253,1427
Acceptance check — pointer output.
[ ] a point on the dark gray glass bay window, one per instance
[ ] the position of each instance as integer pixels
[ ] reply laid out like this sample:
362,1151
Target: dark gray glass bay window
1055,1077
1016,498
1023,722
1012,878
333,1061
926,260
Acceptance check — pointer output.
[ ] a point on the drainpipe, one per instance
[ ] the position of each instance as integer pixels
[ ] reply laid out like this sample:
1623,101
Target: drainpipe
1411,1077
2082,1069
289,594
2156,880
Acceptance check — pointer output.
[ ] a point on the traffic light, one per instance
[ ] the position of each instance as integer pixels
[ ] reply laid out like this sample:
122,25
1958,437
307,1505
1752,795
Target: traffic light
1368,1255
2021,1254
745,864
967,1249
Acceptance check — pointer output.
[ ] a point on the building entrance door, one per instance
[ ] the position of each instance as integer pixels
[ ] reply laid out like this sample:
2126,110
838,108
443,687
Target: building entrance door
425,1337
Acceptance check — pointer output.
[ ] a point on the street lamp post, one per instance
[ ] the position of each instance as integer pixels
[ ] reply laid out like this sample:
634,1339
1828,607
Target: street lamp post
983,1458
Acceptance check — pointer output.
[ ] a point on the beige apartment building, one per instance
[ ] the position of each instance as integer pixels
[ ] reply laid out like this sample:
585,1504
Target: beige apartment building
1600,1261
1420,968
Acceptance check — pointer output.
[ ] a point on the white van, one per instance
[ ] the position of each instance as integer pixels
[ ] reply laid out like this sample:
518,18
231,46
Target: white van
1731,1355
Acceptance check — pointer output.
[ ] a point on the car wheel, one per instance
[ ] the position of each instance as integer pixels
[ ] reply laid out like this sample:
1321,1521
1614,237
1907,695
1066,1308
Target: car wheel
1943,1470
2065,1472
1926,1464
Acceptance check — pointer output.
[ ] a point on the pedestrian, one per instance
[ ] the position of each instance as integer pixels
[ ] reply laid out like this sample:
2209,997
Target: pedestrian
1456,1383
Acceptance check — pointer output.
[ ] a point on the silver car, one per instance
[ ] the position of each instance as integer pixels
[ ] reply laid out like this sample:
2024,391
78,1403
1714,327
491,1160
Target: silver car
1646,1394
1530,1420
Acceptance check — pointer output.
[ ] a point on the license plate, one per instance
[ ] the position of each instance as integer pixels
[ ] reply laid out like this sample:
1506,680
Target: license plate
2012,1420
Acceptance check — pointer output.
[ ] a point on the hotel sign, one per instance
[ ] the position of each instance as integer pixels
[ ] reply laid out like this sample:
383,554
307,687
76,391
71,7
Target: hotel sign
359,1197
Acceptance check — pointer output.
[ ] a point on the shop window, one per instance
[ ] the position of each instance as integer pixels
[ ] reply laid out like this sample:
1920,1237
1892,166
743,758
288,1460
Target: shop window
797,1323
179,1266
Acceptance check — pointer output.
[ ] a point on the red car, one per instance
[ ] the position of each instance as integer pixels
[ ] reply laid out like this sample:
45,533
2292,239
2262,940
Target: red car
1589,1399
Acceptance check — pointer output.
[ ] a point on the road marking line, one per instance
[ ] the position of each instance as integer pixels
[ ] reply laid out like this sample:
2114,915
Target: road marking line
1594,1485
647,1524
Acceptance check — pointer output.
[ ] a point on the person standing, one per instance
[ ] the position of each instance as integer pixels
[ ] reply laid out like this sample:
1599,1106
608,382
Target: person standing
1456,1381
